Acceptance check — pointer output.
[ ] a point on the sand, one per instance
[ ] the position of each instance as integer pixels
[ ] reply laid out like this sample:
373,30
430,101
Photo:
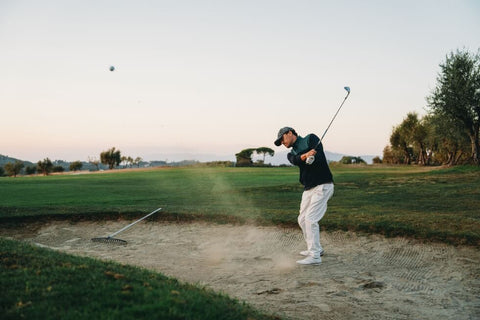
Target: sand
361,277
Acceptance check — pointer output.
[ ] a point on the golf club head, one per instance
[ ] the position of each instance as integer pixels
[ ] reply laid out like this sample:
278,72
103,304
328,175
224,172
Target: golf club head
347,88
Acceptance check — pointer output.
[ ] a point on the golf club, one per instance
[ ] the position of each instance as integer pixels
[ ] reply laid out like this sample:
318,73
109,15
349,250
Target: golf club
311,159
111,239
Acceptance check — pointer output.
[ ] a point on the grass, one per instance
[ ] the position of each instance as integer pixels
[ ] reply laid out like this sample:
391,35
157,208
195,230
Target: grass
39,283
424,203
435,205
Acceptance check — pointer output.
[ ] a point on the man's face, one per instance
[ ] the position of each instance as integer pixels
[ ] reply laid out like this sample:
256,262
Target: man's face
288,139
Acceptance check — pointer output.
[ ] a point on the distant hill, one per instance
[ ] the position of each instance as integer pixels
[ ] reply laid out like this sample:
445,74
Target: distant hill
6,159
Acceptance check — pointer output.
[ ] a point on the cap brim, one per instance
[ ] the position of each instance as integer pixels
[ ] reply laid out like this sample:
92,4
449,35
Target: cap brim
278,142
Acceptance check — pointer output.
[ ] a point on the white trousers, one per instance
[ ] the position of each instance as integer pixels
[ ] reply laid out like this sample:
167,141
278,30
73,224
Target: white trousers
312,210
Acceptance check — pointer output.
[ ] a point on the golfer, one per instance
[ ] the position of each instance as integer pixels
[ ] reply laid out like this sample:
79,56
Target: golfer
307,153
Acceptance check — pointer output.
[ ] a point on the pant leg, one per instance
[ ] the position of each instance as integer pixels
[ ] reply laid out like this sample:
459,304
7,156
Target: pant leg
304,204
312,211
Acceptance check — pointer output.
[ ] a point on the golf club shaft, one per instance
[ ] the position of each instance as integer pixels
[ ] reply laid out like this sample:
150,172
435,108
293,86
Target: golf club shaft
348,93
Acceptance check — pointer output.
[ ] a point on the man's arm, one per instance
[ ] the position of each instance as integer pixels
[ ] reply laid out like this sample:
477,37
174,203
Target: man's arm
294,159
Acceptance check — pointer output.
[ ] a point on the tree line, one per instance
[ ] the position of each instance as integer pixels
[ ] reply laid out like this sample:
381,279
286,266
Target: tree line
111,158
449,133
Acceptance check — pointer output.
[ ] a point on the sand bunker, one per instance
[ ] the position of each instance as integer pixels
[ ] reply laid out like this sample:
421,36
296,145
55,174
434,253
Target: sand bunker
361,277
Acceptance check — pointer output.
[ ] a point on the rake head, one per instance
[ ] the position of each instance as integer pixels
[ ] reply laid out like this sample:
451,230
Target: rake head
109,240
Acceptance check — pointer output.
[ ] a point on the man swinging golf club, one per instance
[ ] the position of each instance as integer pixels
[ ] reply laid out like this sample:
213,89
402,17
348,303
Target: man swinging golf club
307,153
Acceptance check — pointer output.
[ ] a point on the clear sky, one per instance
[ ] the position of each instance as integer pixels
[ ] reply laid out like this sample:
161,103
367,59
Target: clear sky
217,77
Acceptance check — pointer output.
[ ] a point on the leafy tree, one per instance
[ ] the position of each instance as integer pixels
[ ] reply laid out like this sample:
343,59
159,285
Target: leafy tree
265,151
45,166
352,160
410,137
30,169
448,142
94,161
75,166
58,169
399,141
14,168
2,171
127,161
391,156
457,95
137,161
111,157
377,160
418,138
244,157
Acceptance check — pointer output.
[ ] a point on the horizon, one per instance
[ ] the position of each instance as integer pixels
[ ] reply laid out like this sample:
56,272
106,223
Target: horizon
279,158
218,78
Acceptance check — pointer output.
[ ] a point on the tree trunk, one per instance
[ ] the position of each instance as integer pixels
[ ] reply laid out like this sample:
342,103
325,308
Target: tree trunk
475,146
458,158
408,160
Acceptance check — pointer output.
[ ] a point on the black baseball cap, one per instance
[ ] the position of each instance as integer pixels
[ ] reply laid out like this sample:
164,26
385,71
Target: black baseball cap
280,134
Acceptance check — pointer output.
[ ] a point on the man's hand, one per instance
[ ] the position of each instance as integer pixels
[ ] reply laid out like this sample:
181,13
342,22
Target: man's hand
309,155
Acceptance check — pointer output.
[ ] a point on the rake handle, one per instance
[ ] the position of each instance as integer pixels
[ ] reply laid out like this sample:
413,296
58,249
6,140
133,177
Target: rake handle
131,224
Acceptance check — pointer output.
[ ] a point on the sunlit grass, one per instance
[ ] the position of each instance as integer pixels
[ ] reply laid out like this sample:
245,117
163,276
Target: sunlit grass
427,203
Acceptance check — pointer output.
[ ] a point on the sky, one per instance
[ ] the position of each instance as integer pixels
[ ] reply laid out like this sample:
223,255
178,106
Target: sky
216,77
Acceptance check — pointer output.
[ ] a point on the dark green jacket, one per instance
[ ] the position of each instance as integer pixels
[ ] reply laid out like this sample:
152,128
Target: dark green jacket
318,172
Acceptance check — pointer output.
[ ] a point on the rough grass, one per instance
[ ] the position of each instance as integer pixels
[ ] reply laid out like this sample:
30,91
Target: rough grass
39,283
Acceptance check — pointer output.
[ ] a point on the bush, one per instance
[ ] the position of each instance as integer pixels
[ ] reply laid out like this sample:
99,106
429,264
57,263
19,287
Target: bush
58,169
76,165
30,170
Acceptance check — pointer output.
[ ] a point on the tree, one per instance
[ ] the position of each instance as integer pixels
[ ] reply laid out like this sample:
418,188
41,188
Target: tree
377,160
457,95
137,161
410,137
94,161
448,143
45,166
30,169
418,138
244,157
14,168
127,161
124,160
58,169
265,151
76,165
111,157
399,142
352,160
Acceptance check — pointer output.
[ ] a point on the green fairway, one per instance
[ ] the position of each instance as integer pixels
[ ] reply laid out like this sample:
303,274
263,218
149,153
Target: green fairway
426,203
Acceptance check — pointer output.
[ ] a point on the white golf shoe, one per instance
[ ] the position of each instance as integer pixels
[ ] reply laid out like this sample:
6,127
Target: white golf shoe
306,253
310,260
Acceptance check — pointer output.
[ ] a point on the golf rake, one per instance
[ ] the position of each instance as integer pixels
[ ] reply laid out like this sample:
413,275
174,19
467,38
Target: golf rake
110,239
